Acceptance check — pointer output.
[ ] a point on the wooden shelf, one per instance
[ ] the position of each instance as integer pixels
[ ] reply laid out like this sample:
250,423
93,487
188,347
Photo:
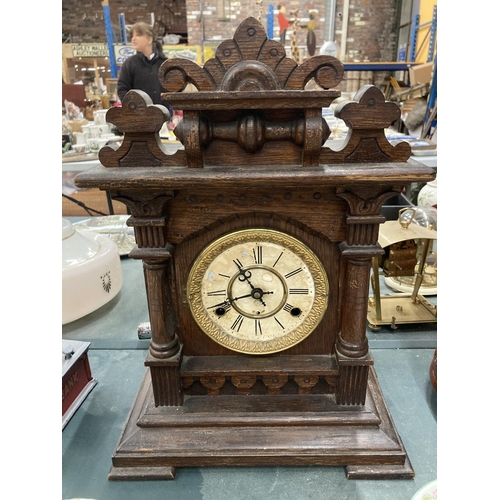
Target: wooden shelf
235,365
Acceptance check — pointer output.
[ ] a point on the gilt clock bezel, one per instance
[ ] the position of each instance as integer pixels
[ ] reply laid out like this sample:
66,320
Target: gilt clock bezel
257,235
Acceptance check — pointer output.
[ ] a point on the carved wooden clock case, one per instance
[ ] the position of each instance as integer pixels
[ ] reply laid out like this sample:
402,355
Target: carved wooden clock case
256,242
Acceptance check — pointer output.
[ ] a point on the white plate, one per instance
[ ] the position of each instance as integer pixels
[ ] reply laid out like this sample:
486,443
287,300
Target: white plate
427,492
113,226
424,152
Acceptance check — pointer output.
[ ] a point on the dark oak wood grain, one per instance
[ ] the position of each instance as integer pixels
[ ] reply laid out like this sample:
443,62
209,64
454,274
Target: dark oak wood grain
253,156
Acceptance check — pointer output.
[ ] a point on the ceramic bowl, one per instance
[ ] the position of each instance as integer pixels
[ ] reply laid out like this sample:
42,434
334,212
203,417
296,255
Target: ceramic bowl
91,272
93,145
79,148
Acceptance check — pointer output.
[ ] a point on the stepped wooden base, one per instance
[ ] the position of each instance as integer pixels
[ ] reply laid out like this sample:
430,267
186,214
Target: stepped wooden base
260,431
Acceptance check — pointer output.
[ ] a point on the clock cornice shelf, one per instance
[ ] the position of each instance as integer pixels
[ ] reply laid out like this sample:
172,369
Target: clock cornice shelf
253,161
397,173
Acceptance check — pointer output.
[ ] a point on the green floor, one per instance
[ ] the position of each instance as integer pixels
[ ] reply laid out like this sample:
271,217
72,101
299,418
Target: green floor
91,435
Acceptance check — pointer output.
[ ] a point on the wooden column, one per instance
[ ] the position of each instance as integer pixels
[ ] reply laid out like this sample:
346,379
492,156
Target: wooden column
356,265
164,342
165,350
353,354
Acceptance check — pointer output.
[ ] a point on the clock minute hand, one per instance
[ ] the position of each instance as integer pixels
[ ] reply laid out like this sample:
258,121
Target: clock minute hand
226,302
256,294
229,300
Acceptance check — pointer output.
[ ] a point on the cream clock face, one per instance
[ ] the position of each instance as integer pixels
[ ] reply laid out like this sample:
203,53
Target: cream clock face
257,291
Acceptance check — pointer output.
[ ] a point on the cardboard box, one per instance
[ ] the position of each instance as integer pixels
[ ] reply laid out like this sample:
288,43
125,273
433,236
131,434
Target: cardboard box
76,125
421,73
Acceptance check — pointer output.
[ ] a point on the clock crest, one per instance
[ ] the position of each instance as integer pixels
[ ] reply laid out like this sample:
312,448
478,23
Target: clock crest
256,239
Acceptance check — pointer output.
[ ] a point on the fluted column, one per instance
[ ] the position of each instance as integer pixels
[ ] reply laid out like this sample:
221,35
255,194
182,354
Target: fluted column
352,347
165,351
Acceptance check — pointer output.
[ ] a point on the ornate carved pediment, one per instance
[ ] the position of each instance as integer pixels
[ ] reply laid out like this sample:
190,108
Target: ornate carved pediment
250,104
250,62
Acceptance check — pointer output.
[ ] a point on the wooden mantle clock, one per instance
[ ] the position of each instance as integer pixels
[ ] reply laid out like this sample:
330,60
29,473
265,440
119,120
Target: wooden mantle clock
257,242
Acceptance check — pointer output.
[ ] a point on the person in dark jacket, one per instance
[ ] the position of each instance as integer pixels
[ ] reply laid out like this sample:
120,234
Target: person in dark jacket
140,71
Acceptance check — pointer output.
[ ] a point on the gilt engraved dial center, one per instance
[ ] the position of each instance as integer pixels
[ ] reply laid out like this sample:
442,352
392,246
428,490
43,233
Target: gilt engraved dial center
261,294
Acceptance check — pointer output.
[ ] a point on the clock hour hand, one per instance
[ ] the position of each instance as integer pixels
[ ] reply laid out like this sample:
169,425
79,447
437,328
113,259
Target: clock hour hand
245,276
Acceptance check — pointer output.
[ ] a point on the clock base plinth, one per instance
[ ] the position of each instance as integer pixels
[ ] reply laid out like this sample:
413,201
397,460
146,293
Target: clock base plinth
260,431
404,471
141,473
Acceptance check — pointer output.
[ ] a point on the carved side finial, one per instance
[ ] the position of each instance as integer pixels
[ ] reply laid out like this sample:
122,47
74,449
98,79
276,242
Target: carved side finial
138,105
140,121
367,117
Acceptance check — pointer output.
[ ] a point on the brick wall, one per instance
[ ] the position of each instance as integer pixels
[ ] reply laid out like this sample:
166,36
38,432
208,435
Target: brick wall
371,31
204,25
83,20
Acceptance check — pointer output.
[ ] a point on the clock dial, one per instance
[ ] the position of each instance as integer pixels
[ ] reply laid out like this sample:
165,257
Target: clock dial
257,291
